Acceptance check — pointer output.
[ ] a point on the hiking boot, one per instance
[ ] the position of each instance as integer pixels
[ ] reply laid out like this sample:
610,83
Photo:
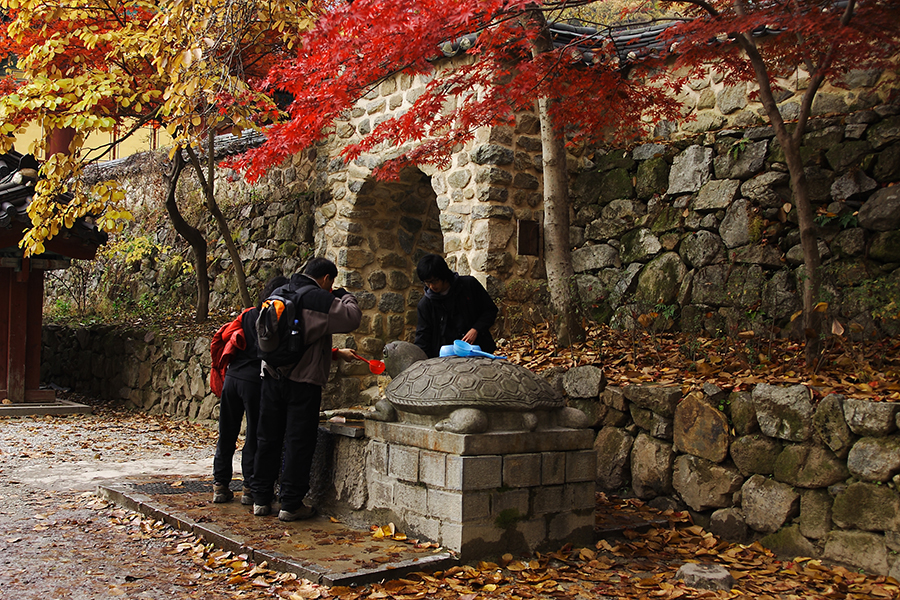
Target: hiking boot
261,510
304,512
221,493
246,496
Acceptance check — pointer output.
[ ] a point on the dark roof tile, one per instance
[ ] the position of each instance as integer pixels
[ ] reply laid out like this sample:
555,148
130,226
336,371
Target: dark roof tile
18,173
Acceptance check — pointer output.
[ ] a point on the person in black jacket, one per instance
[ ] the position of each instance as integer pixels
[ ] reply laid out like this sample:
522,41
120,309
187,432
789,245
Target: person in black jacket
291,397
455,307
240,395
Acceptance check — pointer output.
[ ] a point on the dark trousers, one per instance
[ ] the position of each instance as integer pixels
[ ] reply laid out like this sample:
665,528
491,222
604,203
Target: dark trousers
239,397
288,419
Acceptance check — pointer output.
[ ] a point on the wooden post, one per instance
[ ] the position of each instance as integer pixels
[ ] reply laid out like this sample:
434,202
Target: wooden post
5,280
17,338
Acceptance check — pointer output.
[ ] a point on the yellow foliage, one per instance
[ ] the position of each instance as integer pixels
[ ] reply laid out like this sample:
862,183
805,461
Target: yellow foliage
165,62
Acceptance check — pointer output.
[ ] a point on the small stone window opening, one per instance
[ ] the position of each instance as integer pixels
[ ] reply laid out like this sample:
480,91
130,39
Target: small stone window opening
528,238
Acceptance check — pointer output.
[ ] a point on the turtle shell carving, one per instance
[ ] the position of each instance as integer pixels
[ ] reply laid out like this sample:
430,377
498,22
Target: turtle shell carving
441,385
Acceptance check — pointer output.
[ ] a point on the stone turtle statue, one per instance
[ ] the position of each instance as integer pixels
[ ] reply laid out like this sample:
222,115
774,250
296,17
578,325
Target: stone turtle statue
471,395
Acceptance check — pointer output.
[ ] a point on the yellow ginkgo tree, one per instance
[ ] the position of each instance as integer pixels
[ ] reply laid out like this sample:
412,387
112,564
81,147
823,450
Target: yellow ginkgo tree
83,67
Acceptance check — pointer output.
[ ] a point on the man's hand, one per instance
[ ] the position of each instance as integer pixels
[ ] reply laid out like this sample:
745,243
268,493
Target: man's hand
471,336
346,354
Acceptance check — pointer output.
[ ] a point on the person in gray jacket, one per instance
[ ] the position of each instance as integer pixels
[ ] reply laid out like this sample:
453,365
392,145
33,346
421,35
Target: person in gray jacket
289,404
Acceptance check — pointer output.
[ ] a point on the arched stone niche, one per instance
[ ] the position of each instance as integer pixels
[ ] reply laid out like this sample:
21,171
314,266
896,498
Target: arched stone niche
376,235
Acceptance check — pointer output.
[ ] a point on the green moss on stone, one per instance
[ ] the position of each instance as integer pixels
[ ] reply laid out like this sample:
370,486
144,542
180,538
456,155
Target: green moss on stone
508,518
288,248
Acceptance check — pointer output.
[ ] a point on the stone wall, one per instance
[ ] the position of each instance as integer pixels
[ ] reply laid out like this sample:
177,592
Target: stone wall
708,104
705,228
805,477
161,376
696,226
477,210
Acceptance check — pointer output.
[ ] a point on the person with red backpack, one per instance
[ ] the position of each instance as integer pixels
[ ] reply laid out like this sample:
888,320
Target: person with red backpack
236,378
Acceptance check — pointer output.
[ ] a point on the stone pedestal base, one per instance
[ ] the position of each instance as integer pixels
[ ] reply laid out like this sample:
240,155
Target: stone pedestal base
485,494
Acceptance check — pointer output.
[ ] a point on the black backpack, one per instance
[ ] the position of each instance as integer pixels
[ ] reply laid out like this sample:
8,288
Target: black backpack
279,327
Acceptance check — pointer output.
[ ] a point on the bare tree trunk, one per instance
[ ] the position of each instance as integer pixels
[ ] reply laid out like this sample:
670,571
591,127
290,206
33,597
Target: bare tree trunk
812,322
193,236
207,182
557,253
790,143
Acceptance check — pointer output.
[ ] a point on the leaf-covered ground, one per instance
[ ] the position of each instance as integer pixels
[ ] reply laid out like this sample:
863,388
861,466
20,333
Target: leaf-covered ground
868,369
59,540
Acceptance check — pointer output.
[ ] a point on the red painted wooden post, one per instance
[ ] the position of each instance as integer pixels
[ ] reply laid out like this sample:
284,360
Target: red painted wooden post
5,279
18,304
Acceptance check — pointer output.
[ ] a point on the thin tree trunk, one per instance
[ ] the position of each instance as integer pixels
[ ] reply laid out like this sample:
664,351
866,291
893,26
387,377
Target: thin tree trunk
557,253
193,236
208,184
812,321
790,144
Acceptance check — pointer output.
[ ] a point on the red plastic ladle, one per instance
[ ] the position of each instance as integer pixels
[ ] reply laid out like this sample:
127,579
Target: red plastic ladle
375,366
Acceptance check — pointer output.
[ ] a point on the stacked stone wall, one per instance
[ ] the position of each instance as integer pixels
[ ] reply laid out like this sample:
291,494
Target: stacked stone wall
704,232
709,104
804,477
158,375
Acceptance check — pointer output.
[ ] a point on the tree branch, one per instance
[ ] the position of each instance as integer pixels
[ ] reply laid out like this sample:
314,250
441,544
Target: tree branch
817,77
703,5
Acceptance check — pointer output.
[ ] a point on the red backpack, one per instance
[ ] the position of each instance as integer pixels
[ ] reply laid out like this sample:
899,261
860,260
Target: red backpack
227,340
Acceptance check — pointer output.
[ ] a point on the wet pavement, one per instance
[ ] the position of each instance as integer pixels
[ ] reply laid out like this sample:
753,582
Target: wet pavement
321,549
59,540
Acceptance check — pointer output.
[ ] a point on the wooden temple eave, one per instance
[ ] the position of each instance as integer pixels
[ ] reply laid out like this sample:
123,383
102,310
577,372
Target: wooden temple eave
22,287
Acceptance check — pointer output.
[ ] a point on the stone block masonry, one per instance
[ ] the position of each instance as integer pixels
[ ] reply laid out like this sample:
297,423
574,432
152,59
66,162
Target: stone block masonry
698,222
803,478
524,493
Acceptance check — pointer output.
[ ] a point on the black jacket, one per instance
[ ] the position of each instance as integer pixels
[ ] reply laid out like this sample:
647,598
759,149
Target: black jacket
445,318
245,364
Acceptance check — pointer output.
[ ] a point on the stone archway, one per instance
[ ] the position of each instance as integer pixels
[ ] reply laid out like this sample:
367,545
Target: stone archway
392,224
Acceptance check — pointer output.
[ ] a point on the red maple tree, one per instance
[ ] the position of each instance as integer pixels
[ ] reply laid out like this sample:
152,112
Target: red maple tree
578,90
762,42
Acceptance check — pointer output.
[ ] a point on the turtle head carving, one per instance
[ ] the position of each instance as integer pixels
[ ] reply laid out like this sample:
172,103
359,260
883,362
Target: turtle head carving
398,356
